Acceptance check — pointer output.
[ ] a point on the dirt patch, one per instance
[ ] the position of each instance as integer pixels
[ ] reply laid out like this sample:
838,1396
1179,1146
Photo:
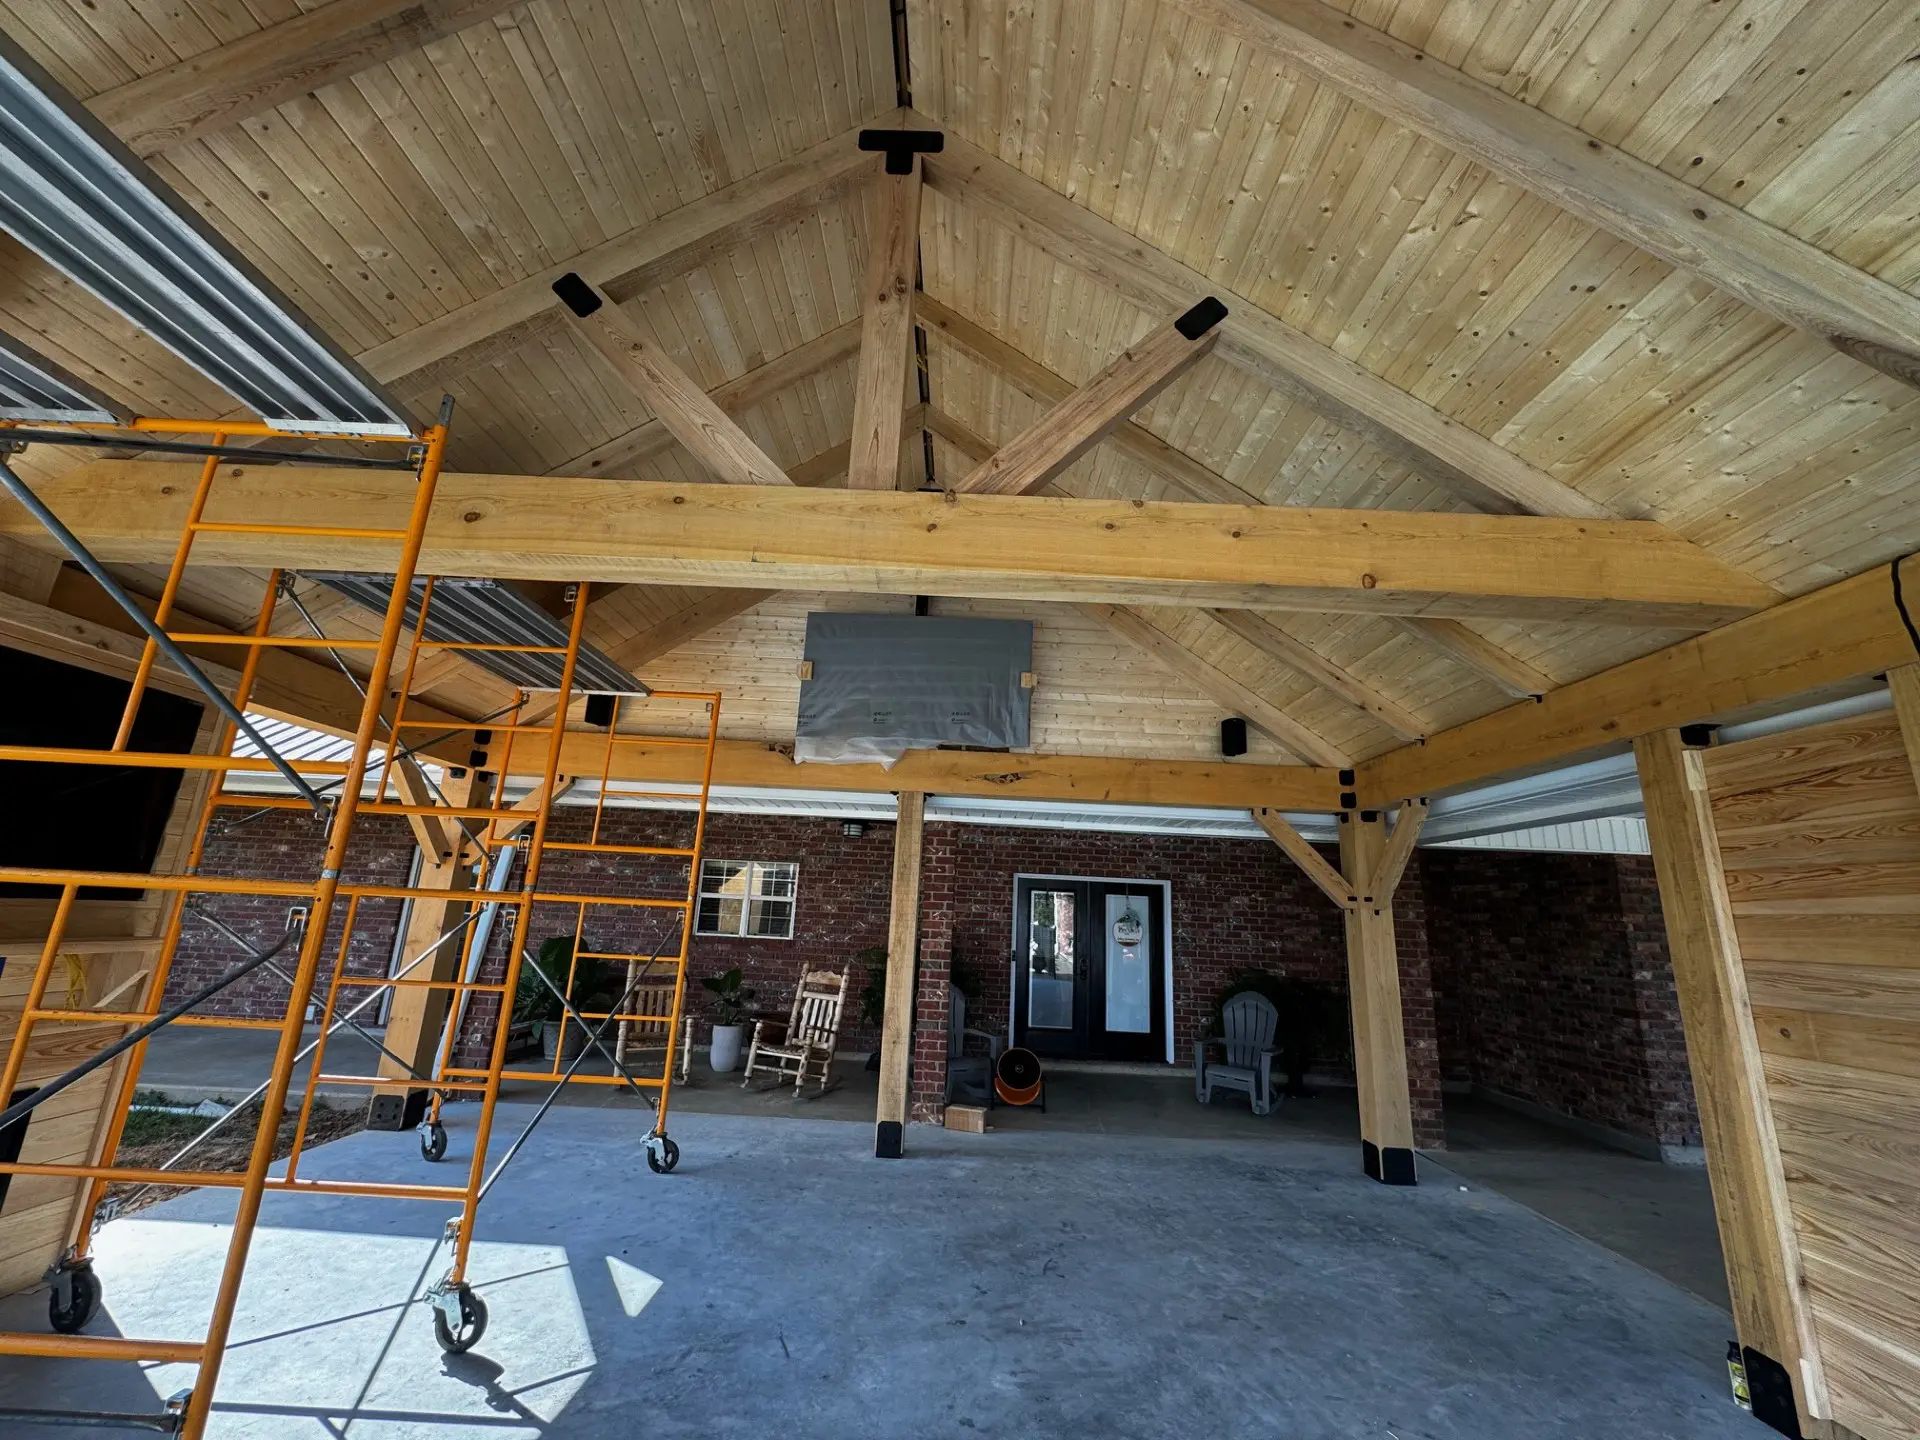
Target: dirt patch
152,1137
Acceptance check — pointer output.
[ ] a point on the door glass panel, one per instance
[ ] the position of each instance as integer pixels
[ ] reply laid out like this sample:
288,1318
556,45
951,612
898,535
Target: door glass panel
1129,969
1050,960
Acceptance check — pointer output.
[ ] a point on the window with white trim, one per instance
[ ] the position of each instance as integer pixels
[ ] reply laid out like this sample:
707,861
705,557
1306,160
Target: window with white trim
752,898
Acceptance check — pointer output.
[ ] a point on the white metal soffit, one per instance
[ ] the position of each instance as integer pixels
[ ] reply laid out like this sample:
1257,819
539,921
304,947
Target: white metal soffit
75,196
1591,808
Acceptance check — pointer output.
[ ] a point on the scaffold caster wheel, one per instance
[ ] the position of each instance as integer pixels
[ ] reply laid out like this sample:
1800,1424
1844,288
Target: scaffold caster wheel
662,1154
75,1299
433,1142
473,1321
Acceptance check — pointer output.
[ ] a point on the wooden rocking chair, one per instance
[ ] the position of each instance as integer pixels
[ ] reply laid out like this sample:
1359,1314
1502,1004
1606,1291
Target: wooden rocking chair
802,1045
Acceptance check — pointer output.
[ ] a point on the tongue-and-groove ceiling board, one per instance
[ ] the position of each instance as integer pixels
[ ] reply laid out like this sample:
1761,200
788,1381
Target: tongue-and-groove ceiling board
404,192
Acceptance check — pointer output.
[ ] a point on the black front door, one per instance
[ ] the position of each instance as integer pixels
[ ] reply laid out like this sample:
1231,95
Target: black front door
1089,981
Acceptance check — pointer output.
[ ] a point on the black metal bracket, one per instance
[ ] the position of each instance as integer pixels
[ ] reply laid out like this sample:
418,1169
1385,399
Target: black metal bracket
1201,318
576,294
900,146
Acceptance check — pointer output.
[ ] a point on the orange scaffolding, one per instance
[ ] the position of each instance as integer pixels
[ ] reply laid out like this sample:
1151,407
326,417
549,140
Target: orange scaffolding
517,833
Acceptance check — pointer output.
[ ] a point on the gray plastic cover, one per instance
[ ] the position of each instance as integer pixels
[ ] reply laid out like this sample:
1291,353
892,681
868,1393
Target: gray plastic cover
881,685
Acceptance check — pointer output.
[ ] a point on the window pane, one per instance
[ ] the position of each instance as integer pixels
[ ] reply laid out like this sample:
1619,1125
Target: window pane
1050,960
708,922
776,882
771,918
727,877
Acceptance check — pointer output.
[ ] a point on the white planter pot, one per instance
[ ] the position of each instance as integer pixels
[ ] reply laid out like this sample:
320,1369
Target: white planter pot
724,1054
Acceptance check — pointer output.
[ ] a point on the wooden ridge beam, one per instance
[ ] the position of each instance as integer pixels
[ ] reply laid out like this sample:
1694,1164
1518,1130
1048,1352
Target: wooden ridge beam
1139,444
1297,655
1471,649
759,385
1838,633
1080,421
1090,779
675,397
886,329
520,527
678,243
243,78
1776,273
1225,690
1277,354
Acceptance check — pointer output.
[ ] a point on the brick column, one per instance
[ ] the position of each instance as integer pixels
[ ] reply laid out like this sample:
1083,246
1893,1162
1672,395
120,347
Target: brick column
928,1081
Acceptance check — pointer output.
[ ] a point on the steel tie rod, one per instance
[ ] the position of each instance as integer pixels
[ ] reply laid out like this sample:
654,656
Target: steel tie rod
82,556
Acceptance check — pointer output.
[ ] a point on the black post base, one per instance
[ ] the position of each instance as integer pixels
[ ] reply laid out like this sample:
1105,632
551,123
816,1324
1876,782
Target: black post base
397,1112
1391,1166
1771,1389
889,1138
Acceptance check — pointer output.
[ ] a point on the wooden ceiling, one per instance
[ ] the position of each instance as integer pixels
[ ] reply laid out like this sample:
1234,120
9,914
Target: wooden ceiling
1429,310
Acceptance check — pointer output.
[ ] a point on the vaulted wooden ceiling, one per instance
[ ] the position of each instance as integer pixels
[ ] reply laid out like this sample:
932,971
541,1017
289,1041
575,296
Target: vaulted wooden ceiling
1592,260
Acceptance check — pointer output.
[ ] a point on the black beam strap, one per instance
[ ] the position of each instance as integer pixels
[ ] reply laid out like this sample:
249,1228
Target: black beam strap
900,146
1201,318
576,294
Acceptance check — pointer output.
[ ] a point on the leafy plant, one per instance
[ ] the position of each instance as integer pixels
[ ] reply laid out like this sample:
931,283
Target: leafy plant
1313,1019
730,994
594,989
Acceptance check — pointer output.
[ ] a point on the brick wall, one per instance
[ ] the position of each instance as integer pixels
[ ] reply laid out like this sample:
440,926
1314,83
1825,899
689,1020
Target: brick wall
1553,984
287,845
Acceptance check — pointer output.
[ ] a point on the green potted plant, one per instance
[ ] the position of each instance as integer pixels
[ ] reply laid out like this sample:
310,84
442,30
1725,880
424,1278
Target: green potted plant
731,997
873,995
593,990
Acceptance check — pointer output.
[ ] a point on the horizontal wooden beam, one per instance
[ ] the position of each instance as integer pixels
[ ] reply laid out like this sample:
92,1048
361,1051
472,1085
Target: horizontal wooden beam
1839,633
642,259
519,527
1275,353
1775,272
1092,779
225,85
1044,450
1173,467
1227,691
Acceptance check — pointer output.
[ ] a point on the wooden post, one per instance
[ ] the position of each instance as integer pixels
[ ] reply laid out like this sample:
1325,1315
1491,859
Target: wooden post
903,947
886,331
1743,1153
1373,979
416,1015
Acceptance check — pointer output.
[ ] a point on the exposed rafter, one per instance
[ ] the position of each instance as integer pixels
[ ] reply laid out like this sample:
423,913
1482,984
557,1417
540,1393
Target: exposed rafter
626,452
1776,273
1225,690
1267,637
1171,466
225,85
1473,650
681,241
1080,421
676,399
1117,552
1287,359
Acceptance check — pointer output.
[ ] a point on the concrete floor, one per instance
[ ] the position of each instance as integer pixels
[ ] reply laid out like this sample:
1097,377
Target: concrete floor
1046,1282
1659,1216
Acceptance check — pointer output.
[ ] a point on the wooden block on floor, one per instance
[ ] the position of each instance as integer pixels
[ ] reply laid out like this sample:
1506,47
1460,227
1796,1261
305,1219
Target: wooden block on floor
970,1118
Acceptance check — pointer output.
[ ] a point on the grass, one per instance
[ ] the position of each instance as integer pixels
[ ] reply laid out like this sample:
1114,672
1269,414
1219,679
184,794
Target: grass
152,1137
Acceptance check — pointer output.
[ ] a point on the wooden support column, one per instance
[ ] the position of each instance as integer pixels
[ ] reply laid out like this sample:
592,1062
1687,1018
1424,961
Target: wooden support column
903,946
416,1015
1757,1237
1373,863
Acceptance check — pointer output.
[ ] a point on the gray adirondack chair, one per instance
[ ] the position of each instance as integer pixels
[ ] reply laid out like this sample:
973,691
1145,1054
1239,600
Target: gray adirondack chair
969,1077
1247,1051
